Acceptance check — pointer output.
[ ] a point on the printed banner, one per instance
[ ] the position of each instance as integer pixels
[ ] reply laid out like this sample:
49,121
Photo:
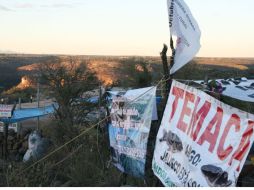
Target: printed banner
131,116
185,28
201,141
5,111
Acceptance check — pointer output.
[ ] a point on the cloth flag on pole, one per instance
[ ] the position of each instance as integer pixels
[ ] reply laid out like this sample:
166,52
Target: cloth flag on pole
185,28
131,116
201,141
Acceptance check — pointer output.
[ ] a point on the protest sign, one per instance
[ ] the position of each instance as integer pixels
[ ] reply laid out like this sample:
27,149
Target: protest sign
131,116
5,111
201,141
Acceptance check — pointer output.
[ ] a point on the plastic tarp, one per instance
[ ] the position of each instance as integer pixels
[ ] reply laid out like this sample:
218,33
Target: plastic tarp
29,113
243,91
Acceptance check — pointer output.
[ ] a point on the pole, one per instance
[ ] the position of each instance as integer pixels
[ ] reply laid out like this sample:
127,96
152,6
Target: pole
38,104
172,58
165,64
38,94
20,103
100,97
167,77
6,126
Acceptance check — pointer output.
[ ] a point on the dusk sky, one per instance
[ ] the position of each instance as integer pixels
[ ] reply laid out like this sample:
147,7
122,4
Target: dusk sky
121,27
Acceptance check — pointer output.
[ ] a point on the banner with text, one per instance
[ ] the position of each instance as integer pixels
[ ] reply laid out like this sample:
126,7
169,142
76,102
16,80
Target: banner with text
131,116
5,111
201,141
185,28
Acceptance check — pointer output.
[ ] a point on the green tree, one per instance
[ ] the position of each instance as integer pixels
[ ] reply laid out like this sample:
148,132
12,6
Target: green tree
66,81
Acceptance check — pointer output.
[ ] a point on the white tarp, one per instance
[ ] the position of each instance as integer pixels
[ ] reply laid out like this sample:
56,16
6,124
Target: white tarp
185,28
201,141
243,91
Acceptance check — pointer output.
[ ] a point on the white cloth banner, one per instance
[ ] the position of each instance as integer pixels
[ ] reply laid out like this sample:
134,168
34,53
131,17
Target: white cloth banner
131,117
201,141
184,26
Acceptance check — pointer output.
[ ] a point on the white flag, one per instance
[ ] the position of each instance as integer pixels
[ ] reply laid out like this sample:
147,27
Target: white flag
185,28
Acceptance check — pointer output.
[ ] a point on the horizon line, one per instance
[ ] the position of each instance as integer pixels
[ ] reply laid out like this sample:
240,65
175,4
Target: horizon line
109,55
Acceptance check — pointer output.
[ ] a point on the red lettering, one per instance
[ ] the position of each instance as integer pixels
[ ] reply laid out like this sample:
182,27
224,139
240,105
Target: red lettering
244,145
208,136
198,119
185,111
178,93
233,121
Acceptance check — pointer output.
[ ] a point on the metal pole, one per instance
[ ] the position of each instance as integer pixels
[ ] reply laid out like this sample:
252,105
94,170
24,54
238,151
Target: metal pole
20,103
100,97
38,104
38,94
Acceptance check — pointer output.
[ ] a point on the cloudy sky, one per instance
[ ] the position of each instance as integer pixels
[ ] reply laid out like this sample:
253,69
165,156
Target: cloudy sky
121,27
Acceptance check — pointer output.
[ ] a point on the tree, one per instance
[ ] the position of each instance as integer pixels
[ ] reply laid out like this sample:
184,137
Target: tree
67,80
136,73
143,74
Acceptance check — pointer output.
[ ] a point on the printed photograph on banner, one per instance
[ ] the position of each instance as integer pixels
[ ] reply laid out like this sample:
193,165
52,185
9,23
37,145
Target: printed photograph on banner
131,117
201,142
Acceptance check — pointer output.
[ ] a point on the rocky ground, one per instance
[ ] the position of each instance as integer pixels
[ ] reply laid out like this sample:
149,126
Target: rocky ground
17,144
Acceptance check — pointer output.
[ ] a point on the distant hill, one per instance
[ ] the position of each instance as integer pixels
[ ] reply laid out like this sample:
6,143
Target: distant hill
112,69
9,64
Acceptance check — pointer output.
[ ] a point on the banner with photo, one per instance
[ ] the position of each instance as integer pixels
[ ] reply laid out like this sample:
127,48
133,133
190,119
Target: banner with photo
201,141
131,116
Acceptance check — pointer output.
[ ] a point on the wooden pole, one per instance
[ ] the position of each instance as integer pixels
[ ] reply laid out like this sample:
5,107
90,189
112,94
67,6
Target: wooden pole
6,126
172,58
167,78
165,69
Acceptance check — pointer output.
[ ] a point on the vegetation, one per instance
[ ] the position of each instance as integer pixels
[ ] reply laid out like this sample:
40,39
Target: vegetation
86,160
137,73
66,81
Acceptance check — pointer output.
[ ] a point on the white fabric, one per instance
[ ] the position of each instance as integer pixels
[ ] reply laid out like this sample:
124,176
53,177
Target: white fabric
185,28
222,140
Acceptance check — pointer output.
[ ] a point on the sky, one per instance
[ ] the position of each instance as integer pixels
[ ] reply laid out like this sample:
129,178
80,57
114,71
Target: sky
121,27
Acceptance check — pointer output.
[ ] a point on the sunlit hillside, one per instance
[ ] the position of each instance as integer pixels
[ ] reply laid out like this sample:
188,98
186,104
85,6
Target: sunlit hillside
119,70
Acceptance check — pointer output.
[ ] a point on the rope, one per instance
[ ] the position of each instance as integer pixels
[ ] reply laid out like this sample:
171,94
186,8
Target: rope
65,144
87,130
67,157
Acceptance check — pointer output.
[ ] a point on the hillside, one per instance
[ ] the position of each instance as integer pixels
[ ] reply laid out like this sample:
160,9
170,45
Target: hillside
119,70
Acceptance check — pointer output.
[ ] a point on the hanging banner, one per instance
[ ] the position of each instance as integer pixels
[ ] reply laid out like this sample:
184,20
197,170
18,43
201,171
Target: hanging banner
112,94
185,28
5,111
201,141
131,116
